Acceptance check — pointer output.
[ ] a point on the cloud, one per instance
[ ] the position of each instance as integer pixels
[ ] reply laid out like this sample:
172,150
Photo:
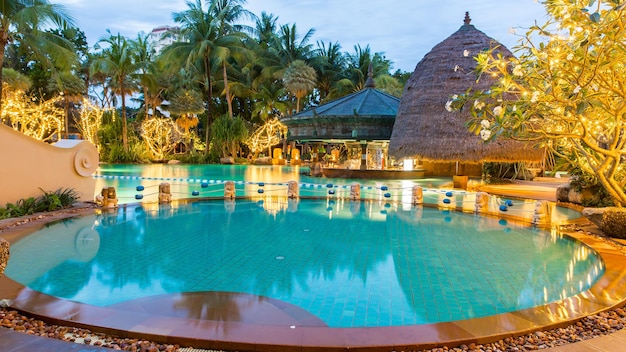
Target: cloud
404,30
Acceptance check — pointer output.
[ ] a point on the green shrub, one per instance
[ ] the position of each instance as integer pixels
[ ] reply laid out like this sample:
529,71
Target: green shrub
49,201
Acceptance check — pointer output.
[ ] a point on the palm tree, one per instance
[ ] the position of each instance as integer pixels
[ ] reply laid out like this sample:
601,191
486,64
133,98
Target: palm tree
72,88
117,62
283,48
290,48
206,45
330,64
269,102
21,21
299,79
229,11
143,57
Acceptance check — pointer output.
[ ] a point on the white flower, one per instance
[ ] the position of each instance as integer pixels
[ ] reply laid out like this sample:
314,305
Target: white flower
577,89
455,97
478,105
485,124
485,134
535,97
497,111
456,68
514,108
466,53
449,106
570,56
518,71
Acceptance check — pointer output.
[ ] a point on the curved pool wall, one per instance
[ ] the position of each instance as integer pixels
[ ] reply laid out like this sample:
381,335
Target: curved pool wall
350,264
139,183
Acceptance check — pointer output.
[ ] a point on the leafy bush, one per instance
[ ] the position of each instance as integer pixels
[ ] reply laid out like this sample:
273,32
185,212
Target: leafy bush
587,184
49,201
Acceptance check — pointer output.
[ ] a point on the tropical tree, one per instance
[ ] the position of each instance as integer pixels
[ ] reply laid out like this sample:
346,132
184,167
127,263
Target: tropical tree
228,12
186,105
21,22
565,90
359,65
205,47
15,81
143,58
228,134
71,88
299,79
330,63
117,62
269,101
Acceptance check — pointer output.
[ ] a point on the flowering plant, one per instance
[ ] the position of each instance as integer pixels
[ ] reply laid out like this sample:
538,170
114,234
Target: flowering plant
565,90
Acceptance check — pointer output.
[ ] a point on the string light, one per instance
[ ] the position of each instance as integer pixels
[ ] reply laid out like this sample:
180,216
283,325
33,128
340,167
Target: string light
266,136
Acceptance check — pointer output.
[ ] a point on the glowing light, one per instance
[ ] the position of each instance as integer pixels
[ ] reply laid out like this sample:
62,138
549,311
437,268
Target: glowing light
266,136
161,136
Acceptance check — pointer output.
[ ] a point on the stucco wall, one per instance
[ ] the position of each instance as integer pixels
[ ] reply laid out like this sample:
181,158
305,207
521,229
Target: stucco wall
27,166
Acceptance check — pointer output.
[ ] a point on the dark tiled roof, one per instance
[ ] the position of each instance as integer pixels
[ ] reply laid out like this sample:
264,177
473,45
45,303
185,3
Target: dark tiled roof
366,102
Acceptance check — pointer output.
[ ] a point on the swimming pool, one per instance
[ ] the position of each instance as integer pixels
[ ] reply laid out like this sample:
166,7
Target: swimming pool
207,180
350,264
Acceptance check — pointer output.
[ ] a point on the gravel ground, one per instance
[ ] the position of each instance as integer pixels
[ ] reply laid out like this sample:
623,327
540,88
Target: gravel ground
587,328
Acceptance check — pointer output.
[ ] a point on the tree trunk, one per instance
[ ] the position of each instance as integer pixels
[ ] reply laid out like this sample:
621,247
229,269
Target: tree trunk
145,102
66,134
209,94
227,90
124,128
4,39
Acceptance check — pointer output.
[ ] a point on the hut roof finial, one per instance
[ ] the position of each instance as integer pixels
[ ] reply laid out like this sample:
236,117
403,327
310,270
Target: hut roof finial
467,19
369,83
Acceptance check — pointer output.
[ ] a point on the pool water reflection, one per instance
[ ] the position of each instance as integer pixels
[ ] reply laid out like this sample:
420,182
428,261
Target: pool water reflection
350,264
207,181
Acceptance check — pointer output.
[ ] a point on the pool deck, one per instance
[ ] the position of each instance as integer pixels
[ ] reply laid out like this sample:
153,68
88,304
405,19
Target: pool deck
243,322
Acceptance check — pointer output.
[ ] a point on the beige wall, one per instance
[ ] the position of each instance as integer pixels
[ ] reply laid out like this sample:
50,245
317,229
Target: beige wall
26,165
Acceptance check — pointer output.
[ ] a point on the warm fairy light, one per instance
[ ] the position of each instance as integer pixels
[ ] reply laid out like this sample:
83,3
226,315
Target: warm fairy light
42,120
564,89
89,121
266,136
161,136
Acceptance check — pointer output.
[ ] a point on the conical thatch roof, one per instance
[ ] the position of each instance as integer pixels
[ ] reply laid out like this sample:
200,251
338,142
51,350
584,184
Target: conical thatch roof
424,127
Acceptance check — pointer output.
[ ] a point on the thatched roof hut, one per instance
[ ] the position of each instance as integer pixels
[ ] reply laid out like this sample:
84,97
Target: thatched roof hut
423,126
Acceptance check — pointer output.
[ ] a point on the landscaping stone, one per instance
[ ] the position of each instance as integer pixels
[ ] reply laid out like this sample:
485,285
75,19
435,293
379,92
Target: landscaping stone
594,215
611,220
562,193
614,222
263,161
229,160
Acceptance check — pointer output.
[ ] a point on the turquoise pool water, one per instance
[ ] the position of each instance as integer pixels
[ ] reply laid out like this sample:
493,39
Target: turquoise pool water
198,181
352,264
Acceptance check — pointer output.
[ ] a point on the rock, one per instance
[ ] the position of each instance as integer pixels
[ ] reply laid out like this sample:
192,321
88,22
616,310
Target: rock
173,161
614,222
263,161
594,215
4,255
229,160
574,196
562,193
611,220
